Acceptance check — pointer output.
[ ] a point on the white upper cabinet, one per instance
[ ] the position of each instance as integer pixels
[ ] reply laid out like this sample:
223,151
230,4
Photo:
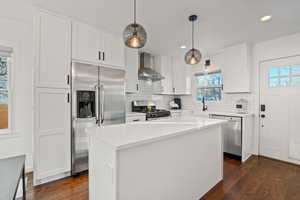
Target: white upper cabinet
113,50
163,65
132,67
85,42
91,45
181,78
236,71
53,50
217,62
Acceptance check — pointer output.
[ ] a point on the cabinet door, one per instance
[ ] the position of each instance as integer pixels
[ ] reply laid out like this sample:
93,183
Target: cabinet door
131,68
113,48
85,43
166,69
53,51
217,62
236,73
181,79
52,134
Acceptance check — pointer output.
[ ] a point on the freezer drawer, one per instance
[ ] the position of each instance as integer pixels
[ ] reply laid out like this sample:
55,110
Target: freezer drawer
232,135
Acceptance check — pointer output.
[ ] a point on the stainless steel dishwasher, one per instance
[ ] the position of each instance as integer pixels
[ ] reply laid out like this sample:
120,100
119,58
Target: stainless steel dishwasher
232,135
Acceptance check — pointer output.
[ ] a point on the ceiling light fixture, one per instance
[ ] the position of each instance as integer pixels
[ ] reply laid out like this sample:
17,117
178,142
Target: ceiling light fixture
183,47
193,56
134,34
266,18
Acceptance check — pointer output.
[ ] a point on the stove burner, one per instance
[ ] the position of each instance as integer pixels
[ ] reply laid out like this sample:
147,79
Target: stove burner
157,114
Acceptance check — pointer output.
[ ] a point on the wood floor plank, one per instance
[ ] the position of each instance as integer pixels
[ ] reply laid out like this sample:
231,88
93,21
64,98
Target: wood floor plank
259,178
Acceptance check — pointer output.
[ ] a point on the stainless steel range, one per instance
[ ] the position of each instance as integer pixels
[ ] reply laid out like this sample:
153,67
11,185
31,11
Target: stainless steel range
149,107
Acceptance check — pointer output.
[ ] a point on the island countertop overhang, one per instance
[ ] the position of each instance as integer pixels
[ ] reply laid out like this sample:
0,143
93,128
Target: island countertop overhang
129,135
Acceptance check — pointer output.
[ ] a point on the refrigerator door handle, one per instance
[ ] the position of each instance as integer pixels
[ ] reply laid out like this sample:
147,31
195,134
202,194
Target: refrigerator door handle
102,103
97,108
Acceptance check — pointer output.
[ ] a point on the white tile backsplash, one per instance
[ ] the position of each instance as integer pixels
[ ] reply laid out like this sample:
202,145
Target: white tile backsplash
227,104
147,92
162,101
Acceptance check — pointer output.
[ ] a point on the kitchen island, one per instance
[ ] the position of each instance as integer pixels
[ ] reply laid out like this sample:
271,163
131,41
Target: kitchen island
172,159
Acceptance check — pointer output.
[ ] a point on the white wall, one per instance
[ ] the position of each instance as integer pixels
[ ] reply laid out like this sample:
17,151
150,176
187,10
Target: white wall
278,48
16,22
227,104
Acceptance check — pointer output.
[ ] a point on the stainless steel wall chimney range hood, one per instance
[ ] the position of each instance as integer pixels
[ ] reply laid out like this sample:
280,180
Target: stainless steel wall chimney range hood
146,70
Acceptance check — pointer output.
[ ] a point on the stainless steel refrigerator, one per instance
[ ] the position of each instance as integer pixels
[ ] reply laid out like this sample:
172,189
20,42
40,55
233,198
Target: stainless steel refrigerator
98,99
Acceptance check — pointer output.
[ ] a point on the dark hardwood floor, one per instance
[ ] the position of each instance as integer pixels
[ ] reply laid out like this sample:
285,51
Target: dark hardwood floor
258,179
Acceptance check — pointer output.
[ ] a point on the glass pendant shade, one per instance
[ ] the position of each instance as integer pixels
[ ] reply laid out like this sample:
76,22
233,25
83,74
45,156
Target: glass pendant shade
192,57
135,36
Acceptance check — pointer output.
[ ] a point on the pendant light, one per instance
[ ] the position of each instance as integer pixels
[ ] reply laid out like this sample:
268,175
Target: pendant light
134,34
193,56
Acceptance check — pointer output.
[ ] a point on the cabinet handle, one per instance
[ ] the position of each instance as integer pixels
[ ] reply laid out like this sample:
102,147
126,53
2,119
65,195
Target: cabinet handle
136,120
137,87
103,56
99,55
68,98
68,79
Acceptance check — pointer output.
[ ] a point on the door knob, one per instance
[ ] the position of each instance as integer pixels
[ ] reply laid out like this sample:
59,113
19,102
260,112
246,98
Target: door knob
263,116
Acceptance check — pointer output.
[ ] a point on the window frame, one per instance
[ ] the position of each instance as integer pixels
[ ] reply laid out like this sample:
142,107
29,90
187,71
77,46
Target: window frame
290,76
209,87
8,52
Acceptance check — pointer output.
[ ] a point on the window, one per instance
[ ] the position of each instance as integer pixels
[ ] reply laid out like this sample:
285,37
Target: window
4,91
209,86
284,76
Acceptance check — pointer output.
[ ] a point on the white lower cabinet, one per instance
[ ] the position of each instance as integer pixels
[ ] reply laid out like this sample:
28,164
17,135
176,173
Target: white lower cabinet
52,135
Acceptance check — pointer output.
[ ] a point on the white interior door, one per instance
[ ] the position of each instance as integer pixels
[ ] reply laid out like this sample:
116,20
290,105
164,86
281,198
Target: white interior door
280,122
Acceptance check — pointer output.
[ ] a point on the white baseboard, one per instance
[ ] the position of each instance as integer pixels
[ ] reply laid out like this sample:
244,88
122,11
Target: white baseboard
52,178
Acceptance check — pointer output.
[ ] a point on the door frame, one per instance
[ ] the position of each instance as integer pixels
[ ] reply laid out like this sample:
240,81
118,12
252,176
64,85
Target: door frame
260,62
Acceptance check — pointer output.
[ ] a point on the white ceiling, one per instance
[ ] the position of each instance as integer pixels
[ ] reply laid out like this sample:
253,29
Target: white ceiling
221,22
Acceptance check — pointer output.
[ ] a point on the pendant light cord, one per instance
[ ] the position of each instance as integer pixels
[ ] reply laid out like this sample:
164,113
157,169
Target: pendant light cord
134,11
193,35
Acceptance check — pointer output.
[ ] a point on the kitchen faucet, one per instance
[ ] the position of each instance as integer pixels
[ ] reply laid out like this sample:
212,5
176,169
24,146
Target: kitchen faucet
204,106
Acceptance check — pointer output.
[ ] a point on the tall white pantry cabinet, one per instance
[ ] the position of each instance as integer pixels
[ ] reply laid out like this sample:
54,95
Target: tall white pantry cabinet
52,150
59,41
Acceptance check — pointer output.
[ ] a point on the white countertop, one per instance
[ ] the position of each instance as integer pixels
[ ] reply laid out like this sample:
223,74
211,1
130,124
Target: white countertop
232,114
133,114
128,135
180,110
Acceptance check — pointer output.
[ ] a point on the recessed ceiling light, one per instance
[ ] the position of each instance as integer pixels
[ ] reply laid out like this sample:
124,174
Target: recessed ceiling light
183,46
266,18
